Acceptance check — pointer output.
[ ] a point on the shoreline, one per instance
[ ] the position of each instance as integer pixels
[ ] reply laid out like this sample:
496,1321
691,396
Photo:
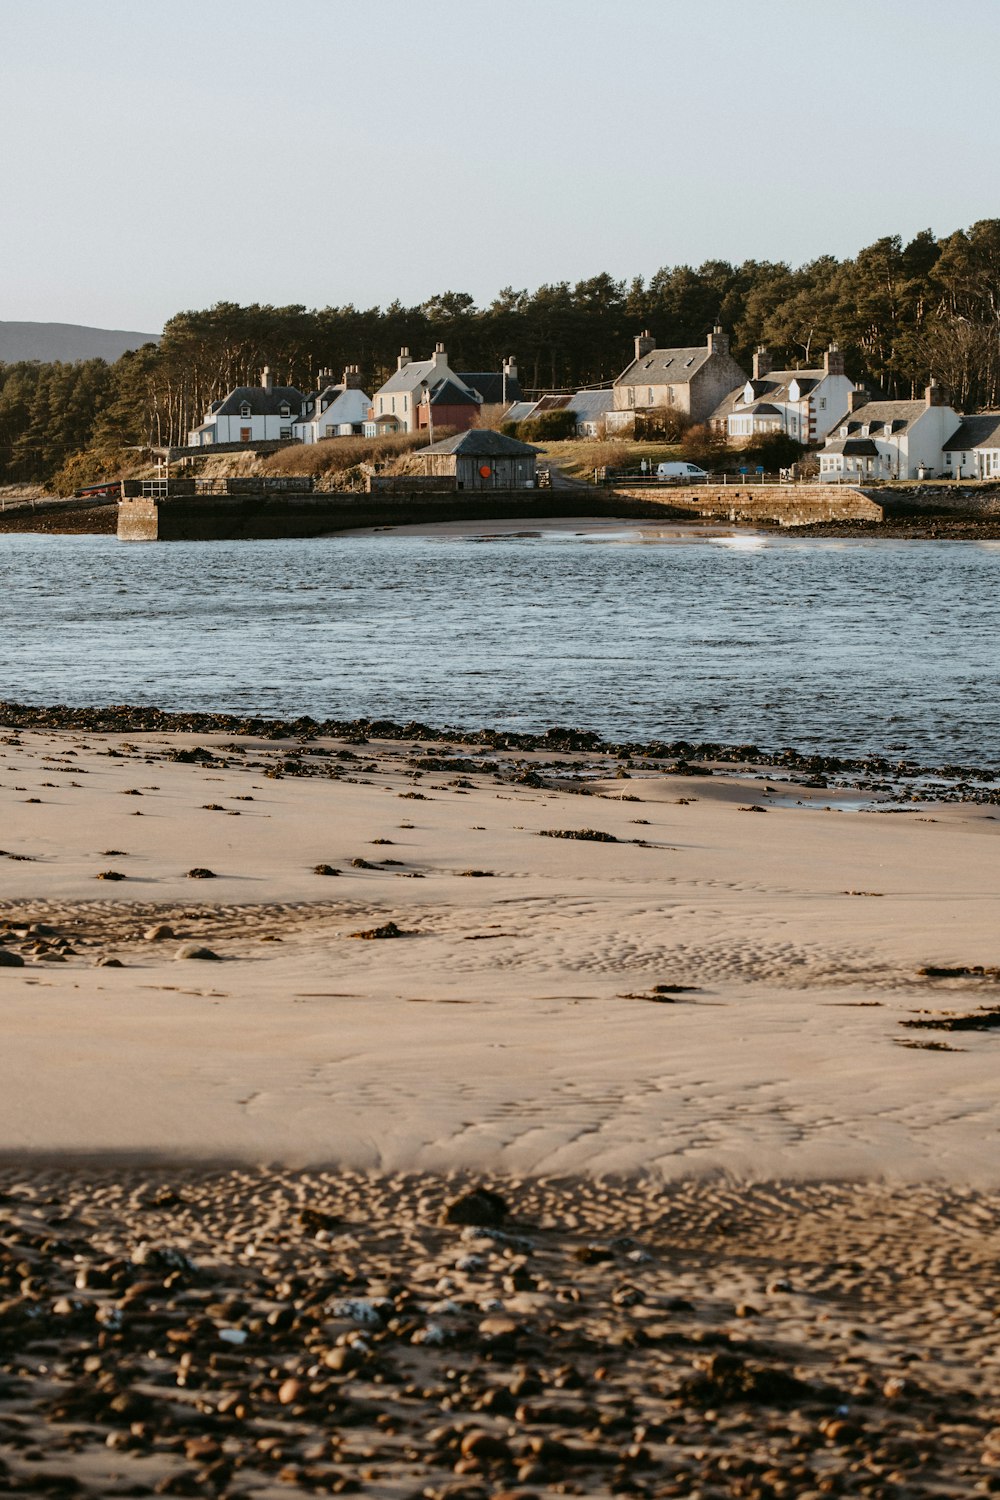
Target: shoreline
688,756
102,520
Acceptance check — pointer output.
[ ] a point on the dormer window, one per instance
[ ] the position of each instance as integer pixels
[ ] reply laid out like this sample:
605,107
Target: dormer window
284,409
244,408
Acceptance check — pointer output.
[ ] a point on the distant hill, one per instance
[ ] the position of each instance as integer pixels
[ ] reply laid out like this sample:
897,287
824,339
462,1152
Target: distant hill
66,341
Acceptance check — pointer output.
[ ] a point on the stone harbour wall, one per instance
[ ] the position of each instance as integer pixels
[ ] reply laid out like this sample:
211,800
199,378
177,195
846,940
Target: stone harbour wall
233,517
783,504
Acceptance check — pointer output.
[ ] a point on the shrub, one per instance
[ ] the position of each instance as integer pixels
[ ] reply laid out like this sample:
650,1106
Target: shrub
773,451
667,424
548,427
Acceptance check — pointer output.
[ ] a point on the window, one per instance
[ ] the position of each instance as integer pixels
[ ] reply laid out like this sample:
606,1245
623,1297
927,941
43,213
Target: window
650,399
245,409
947,459
331,431
284,432
822,403
284,410
394,403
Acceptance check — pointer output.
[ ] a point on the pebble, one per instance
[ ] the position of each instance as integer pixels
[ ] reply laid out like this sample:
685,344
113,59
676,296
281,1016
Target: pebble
195,950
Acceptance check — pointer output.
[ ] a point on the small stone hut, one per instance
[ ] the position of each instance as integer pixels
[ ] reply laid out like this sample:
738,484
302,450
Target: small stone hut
480,460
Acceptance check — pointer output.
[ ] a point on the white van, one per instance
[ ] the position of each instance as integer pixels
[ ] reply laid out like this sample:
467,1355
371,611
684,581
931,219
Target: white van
680,471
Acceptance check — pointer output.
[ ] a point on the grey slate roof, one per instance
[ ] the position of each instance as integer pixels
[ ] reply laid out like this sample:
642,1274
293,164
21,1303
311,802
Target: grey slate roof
590,405
450,393
480,442
665,367
772,387
852,447
520,411
982,431
261,403
899,414
490,385
409,376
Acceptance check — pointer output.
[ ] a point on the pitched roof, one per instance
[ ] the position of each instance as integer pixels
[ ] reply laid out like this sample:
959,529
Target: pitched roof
480,442
852,447
774,386
451,393
588,405
491,386
981,431
665,367
520,411
262,403
410,376
901,415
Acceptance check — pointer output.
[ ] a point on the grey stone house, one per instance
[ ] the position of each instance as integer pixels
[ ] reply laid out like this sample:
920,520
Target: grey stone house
693,380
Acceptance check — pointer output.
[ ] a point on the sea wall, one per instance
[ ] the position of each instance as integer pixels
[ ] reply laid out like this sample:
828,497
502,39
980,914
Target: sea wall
964,502
781,504
234,517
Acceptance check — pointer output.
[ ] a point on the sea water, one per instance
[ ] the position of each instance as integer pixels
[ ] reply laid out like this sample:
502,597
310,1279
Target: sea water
842,646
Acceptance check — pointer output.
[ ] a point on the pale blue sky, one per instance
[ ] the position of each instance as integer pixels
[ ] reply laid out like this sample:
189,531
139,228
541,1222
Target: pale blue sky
164,154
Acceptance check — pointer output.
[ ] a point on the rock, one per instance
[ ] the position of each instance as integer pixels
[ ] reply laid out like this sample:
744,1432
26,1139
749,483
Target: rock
195,950
485,1447
387,930
10,960
200,873
325,870
481,1206
110,963
112,875
158,933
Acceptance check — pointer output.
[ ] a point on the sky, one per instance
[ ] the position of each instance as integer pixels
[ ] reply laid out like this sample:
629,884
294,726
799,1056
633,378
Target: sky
160,155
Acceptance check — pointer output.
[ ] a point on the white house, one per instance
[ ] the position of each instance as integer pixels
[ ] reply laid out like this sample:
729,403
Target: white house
802,403
333,410
973,450
889,439
396,405
401,395
250,414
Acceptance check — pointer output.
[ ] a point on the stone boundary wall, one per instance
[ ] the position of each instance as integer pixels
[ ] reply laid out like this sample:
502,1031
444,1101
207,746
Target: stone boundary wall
785,504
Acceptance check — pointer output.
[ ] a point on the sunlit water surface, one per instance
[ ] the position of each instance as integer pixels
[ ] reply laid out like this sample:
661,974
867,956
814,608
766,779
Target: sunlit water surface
841,646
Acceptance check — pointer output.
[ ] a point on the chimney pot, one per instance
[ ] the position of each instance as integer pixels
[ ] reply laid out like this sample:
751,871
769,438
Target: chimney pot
833,361
266,379
644,344
762,362
718,342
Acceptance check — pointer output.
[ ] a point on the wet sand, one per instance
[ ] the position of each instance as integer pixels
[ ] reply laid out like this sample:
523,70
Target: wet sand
750,1194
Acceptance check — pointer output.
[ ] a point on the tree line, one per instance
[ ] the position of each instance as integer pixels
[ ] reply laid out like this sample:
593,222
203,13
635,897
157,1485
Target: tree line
901,313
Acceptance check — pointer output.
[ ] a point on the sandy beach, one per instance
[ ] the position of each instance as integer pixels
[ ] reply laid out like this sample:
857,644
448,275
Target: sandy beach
270,1005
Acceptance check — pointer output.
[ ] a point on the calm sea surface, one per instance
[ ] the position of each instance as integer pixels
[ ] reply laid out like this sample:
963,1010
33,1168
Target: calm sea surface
840,646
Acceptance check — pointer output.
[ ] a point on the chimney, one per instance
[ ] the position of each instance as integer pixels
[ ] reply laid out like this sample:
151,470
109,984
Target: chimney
833,361
718,342
266,378
439,357
644,344
762,362
857,398
510,368
934,395
352,377
404,358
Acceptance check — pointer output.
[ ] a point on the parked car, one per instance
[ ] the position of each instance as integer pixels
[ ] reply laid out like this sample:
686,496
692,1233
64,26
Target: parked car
680,471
